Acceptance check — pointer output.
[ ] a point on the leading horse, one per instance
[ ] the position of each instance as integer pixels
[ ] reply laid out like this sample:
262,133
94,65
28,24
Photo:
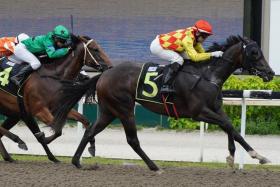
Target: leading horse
40,89
196,98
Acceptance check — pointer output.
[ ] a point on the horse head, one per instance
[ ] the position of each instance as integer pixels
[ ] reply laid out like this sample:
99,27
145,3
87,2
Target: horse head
254,61
94,56
84,51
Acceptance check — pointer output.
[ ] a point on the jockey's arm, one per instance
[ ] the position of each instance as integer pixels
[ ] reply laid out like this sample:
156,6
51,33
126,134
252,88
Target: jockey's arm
55,53
199,48
192,53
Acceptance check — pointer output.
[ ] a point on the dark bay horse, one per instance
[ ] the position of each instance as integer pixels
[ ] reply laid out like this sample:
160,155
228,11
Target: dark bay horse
41,88
116,89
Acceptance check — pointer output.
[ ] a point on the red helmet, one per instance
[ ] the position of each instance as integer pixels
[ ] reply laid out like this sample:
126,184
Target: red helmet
203,26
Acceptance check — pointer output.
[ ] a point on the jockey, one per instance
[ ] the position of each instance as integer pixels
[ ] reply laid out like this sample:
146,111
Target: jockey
7,44
53,44
179,45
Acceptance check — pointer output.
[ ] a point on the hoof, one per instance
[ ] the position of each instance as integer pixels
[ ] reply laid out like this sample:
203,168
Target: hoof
159,172
230,161
23,146
154,168
91,151
54,160
10,159
264,161
77,164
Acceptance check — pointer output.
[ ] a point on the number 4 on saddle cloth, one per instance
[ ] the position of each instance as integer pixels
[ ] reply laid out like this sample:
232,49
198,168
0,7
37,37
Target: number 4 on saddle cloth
7,70
149,83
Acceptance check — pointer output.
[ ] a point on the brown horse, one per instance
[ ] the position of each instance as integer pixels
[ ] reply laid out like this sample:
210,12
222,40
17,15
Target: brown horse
196,98
41,88
14,138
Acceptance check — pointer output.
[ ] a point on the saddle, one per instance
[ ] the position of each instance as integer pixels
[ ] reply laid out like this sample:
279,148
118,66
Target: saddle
150,81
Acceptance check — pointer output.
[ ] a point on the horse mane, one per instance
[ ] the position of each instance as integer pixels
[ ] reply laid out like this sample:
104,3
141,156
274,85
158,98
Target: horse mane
86,37
199,67
230,41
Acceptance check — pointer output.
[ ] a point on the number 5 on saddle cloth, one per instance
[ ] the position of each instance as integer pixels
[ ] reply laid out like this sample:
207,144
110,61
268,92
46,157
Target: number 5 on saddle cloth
149,83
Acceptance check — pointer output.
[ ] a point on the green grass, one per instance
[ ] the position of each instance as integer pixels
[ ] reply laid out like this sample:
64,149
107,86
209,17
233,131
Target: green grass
105,161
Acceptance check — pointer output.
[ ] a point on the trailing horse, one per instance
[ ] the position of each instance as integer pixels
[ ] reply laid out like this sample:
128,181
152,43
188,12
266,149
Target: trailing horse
41,90
198,95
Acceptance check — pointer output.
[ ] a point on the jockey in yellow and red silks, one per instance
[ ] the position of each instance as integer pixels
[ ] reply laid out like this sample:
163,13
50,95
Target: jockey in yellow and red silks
182,44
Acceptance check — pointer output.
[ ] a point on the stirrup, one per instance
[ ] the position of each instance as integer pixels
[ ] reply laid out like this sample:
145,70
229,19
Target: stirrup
16,81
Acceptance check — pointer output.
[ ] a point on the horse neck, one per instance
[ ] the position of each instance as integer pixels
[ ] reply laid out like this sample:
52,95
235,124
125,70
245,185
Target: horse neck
67,67
227,65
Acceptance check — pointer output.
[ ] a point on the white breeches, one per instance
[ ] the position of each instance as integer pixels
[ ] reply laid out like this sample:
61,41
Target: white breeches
21,54
165,54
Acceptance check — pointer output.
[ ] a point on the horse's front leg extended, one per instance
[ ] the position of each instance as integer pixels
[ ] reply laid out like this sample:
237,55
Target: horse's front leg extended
237,137
222,120
73,114
209,116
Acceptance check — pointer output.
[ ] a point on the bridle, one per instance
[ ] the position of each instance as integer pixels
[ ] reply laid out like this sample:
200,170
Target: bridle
88,51
248,59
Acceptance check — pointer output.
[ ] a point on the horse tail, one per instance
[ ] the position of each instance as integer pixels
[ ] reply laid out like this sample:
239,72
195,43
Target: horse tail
70,94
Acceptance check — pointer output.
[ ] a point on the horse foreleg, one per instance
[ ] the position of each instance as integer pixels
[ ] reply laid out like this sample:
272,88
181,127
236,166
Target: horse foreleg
237,137
46,117
220,118
132,140
73,114
89,134
51,138
40,136
249,149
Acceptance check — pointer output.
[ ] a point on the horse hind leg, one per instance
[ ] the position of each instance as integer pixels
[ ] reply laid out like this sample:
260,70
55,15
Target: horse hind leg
132,140
9,123
6,156
15,138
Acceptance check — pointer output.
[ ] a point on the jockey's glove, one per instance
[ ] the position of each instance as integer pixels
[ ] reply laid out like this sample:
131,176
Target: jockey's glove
217,54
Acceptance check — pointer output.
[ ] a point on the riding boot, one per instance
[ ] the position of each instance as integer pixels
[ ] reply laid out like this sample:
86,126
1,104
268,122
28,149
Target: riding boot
169,77
22,74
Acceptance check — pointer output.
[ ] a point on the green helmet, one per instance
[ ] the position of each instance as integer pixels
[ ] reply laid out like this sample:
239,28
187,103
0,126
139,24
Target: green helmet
61,32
